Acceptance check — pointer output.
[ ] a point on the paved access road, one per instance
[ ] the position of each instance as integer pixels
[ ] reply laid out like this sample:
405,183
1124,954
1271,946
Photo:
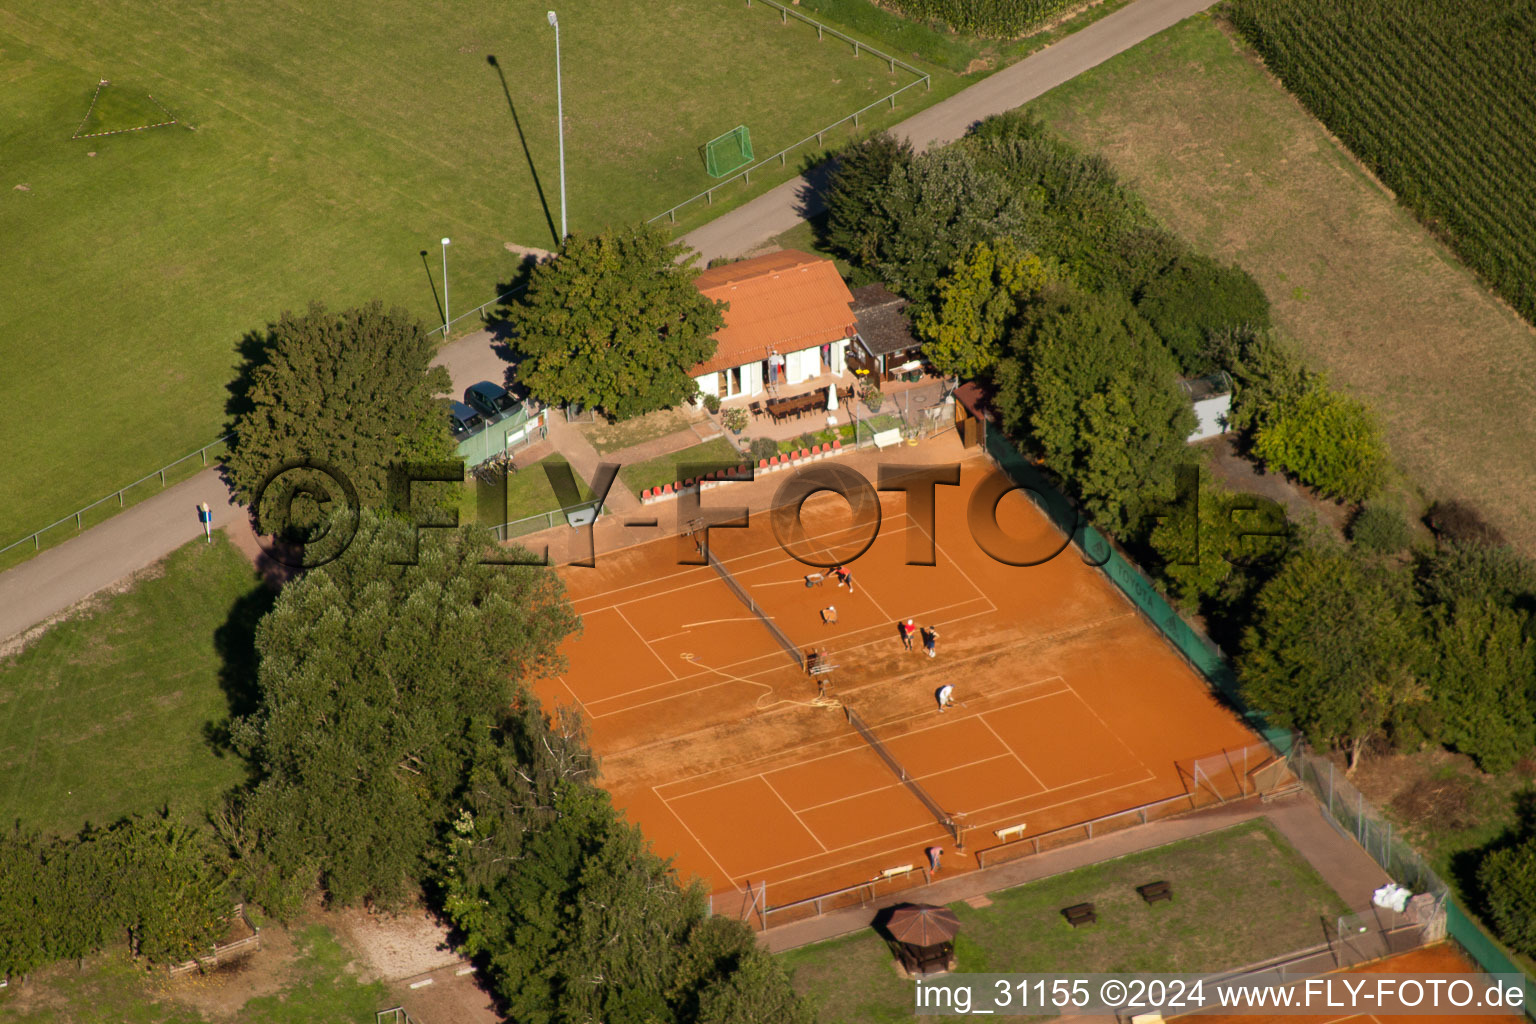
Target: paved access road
63,576
775,212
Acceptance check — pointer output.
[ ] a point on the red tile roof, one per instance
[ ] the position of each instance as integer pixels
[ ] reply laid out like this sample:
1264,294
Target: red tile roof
784,301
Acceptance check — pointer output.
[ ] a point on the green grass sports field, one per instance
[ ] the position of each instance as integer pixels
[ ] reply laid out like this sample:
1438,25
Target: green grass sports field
318,150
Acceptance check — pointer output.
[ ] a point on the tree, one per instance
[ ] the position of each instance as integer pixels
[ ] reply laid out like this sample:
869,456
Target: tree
1326,440
1481,677
1074,209
556,893
1196,297
854,226
614,322
1094,390
354,389
1335,649
149,880
377,682
974,303
1200,547
1267,373
926,212
1380,527
1507,878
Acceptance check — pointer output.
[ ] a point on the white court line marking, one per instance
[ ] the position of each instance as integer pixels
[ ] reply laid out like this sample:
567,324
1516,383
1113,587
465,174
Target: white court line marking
808,830
572,693
1009,747
1126,746
917,778
722,677
934,613
914,828
643,640
844,738
702,845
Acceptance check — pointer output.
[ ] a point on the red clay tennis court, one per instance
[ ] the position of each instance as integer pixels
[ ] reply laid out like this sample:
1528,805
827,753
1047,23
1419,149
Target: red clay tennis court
1441,958
1069,706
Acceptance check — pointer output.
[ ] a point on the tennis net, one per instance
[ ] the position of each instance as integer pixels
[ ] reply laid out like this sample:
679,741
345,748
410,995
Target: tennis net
746,599
855,720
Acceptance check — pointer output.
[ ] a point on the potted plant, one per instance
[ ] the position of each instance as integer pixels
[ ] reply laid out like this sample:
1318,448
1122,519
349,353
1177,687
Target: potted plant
734,420
712,403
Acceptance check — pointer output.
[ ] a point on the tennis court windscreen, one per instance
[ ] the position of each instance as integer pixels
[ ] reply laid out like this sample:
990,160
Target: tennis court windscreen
894,765
746,599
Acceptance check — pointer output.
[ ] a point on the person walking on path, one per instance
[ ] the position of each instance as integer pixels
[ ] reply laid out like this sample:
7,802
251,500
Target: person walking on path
931,641
205,516
907,629
945,696
934,853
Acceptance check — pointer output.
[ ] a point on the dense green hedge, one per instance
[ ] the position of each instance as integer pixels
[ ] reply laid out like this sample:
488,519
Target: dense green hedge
160,886
999,18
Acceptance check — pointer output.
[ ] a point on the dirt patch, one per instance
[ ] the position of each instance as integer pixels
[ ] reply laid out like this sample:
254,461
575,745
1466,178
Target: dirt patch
222,992
1301,503
1438,803
395,946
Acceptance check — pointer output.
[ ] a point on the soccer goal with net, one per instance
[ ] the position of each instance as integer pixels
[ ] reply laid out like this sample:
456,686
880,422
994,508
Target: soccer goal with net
730,152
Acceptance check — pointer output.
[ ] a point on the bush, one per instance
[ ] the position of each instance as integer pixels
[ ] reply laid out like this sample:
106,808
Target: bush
1326,440
1464,570
1480,666
712,403
1380,527
764,448
734,420
1508,881
1197,297
1457,521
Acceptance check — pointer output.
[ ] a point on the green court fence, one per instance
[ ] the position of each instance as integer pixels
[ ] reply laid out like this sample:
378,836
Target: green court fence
1347,807
1490,956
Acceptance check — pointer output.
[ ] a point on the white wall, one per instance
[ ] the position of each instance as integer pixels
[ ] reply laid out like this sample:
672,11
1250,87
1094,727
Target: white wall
1212,416
708,384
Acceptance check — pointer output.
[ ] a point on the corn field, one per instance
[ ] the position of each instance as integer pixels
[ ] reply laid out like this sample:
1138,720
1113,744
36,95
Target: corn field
1438,98
1001,19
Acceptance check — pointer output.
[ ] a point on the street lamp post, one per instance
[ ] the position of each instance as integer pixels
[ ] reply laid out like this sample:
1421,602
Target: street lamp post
560,117
446,319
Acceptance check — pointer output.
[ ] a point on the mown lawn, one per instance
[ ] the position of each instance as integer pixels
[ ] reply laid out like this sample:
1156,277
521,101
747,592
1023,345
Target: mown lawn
321,153
665,469
1240,895
120,710
613,437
